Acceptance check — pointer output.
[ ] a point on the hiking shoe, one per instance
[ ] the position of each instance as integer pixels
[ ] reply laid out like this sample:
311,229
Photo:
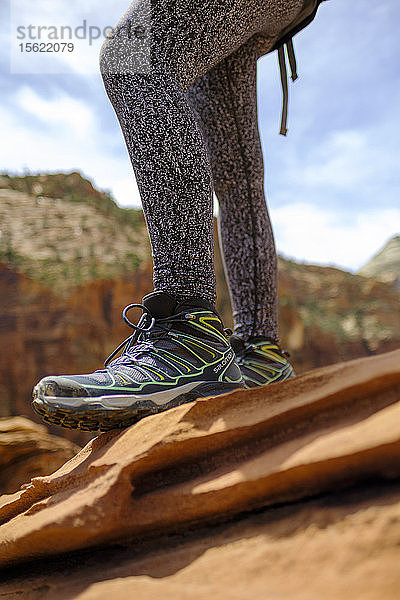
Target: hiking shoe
261,361
178,352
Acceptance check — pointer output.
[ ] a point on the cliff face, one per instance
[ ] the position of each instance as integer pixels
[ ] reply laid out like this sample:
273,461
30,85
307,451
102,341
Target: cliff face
286,491
63,241
385,265
327,315
42,333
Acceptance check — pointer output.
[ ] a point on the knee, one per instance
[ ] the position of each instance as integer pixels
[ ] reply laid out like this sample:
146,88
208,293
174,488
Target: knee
104,58
126,49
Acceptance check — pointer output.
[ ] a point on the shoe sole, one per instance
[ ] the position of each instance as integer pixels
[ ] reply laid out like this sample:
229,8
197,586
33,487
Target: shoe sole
77,415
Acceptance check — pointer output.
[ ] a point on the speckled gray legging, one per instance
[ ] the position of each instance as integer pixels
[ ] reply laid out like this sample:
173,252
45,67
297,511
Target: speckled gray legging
181,76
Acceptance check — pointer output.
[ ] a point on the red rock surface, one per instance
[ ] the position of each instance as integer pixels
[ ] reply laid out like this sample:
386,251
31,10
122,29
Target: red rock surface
27,450
193,496
327,315
43,334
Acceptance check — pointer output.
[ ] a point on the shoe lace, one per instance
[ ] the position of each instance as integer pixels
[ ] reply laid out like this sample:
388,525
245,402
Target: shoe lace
147,330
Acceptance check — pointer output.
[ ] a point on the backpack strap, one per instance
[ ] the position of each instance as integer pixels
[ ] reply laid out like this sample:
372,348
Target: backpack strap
284,79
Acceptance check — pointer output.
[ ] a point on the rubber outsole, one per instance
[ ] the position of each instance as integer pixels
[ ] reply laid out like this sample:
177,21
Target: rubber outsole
106,419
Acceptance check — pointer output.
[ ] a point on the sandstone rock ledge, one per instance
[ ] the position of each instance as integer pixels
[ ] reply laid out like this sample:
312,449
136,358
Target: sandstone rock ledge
27,450
286,491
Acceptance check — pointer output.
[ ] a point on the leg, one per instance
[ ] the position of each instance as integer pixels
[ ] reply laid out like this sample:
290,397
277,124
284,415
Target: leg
225,100
178,350
163,137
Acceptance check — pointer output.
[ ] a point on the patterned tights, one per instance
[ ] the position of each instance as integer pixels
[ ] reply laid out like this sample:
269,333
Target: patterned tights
181,76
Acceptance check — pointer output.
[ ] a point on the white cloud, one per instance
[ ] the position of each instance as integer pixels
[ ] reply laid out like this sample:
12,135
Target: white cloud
65,145
62,111
125,190
340,161
348,160
313,234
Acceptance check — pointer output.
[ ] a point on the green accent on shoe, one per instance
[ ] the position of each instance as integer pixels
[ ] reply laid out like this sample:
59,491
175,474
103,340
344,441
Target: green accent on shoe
261,361
177,353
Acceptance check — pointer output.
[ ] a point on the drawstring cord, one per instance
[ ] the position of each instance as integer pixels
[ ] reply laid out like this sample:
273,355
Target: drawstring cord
284,79
147,323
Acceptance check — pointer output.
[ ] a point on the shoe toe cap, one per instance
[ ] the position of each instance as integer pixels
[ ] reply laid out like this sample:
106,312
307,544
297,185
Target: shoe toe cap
59,387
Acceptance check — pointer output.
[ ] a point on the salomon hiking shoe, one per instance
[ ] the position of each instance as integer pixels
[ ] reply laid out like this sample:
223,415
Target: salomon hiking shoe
178,352
261,361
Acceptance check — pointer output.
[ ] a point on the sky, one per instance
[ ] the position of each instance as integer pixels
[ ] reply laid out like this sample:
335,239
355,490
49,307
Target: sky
332,184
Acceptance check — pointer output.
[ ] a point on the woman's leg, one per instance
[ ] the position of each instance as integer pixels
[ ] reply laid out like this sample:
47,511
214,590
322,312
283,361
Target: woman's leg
163,137
225,99
176,354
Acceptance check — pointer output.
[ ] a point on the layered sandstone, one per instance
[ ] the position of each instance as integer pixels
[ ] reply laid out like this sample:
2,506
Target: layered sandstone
27,450
193,495
385,265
